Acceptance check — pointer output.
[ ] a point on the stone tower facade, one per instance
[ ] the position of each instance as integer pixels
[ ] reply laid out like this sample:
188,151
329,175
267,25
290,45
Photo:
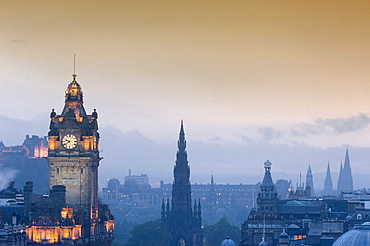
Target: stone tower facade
184,222
73,156
71,214
253,230
267,200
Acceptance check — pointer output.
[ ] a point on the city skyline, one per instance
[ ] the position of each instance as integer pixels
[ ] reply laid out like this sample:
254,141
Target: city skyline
249,78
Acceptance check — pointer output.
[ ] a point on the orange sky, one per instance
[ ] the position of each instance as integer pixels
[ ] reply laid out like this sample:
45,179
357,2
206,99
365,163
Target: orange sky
222,66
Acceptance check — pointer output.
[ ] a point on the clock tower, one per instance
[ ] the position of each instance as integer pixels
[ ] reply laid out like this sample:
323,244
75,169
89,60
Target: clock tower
73,155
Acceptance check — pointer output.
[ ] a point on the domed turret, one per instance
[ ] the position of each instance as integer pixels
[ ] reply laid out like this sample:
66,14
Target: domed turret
284,239
228,242
74,92
74,99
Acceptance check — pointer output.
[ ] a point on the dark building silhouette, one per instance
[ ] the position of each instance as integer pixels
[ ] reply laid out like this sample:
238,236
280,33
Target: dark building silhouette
345,180
183,222
71,214
328,185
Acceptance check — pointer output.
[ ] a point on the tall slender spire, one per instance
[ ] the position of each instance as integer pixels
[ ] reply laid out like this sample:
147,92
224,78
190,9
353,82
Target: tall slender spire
182,142
183,223
345,181
328,185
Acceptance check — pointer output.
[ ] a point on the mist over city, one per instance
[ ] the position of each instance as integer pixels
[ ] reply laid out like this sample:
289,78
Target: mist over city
251,96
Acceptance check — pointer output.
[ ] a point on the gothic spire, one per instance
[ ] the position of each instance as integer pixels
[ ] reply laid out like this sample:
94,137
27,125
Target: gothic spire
328,185
182,142
182,223
346,180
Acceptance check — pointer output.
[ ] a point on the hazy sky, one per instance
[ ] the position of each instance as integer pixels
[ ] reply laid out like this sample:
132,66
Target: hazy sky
274,72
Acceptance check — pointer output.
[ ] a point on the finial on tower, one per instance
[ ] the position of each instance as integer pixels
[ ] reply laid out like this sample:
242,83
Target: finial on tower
267,166
74,75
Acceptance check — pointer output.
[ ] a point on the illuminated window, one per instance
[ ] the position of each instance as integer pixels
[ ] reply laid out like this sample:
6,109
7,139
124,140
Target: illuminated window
42,235
47,236
66,233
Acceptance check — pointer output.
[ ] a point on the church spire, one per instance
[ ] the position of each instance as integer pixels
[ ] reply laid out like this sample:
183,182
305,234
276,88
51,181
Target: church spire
345,183
328,185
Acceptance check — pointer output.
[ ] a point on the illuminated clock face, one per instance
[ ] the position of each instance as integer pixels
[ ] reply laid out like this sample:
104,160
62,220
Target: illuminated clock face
69,141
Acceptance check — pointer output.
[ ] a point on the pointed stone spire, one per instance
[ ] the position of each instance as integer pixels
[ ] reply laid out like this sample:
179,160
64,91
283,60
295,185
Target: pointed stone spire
183,223
182,142
346,181
328,185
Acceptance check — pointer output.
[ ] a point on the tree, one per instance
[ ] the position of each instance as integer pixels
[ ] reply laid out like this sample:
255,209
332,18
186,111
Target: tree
122,232
149,234
215,234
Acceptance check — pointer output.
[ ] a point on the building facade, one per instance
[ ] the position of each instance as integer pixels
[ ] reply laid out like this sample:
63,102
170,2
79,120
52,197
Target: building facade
301,220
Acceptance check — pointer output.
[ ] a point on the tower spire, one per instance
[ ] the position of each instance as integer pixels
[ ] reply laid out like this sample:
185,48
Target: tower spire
182,142
183,223
328,185
74,67
345,183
